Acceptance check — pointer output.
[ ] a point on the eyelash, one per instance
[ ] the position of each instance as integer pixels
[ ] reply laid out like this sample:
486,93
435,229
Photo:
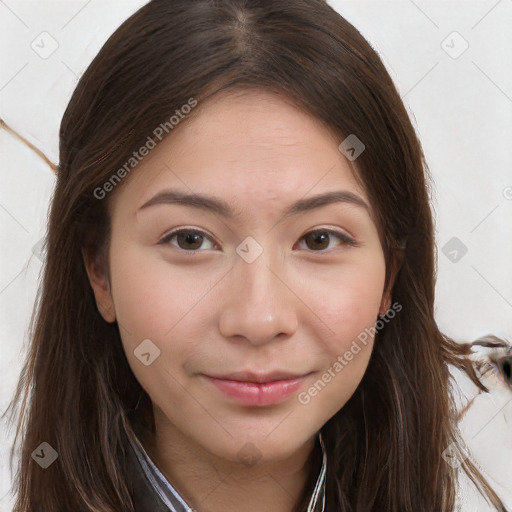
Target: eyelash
345,240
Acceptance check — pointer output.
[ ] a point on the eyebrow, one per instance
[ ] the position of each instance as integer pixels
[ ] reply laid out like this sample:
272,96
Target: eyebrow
219,206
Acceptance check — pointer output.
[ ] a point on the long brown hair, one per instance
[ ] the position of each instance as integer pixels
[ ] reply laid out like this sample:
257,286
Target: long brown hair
76,389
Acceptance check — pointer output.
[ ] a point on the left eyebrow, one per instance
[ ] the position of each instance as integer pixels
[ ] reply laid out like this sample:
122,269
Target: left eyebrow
219,206
338,196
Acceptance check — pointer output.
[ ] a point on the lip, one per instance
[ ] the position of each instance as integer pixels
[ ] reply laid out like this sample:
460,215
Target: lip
258,389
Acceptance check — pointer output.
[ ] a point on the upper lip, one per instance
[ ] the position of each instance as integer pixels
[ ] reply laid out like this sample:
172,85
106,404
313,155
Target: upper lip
259,377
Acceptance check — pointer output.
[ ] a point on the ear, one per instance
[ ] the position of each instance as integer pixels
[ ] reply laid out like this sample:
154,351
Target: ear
97,272
396,263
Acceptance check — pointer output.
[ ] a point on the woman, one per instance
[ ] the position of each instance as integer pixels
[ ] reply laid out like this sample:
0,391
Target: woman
252,369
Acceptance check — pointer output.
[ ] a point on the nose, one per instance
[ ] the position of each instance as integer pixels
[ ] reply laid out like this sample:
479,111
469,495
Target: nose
260,305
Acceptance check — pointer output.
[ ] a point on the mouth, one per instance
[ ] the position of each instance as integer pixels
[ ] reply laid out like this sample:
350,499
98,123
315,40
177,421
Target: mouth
258,389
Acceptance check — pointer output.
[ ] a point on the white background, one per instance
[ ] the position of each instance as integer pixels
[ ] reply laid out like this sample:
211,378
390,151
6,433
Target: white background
461,106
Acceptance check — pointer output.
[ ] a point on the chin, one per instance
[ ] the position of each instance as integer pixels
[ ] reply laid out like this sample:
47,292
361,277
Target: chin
253,448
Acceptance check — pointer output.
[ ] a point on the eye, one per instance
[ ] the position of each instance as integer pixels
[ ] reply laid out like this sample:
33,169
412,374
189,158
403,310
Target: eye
189,240
319,239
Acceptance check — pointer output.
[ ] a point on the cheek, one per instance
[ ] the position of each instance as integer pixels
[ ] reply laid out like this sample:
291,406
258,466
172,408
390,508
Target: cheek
157,303
352,308
349,303
150,296
152,305
351,313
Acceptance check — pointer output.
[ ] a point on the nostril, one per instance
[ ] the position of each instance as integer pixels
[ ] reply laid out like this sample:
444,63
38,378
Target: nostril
505,368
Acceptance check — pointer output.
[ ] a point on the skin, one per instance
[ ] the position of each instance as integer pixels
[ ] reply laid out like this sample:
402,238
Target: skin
296,307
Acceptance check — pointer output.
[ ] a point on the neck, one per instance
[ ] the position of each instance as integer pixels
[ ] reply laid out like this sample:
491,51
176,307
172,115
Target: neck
212,484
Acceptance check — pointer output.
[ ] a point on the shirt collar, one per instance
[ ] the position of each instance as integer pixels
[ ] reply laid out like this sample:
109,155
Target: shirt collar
175,503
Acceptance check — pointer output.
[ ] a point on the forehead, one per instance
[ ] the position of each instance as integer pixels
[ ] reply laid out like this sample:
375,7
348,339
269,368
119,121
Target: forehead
253,148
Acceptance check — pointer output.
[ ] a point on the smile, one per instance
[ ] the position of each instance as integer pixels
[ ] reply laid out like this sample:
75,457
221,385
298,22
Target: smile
267,392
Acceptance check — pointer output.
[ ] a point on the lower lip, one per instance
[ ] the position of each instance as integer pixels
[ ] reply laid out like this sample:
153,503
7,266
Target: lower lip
252,393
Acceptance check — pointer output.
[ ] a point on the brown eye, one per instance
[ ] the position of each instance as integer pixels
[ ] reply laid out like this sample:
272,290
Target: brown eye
319,240
187,240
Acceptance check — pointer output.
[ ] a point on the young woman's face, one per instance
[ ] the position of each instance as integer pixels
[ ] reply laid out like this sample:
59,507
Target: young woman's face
247,292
